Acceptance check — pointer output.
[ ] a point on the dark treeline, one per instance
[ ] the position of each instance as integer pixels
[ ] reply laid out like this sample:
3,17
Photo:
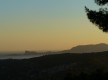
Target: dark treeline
57,67
97,75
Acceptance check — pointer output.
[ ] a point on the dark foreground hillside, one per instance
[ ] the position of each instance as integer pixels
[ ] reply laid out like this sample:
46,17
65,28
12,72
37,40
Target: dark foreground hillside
57,67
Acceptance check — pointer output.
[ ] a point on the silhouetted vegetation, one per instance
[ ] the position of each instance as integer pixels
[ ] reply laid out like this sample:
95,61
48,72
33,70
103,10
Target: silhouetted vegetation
100,17
57,67
97,75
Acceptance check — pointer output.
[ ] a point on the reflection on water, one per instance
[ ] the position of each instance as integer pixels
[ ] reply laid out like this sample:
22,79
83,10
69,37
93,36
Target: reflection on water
24,55
19,56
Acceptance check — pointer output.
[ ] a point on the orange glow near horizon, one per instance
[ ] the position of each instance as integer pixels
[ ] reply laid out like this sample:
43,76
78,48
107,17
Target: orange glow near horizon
46,25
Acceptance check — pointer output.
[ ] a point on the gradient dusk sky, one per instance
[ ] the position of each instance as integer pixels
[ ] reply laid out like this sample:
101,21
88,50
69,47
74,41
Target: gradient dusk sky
46,25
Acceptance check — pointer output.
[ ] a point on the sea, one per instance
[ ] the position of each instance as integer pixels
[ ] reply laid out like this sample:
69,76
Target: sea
20,55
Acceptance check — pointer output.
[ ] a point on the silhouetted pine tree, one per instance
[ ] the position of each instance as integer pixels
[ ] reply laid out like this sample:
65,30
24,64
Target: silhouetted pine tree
100,17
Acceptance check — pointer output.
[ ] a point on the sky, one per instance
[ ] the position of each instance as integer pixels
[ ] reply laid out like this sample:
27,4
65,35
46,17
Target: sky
47,25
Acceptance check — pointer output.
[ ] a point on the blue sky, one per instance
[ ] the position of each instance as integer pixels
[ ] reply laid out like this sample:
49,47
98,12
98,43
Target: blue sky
46,25
17,7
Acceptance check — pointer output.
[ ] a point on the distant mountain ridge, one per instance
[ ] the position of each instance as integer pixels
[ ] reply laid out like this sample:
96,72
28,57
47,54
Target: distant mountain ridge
88,48
77,49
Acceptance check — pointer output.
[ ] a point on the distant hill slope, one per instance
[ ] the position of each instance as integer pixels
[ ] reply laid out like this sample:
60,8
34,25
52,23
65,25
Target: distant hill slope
87,48
77,49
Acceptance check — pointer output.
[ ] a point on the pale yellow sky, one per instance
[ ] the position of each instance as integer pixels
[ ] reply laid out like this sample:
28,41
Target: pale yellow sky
58,38
46,25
